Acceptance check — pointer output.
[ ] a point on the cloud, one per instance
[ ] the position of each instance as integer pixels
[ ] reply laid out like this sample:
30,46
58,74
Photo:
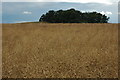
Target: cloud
107,12
27,12
109,2
21,21
87,1
102,12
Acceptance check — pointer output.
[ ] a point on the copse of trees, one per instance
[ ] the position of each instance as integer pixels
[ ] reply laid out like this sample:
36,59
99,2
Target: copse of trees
73,16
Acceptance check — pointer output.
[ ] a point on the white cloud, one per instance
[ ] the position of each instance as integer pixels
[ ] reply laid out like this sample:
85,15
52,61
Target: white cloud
88,1
102,12
107,12
21,21
27,12
78,1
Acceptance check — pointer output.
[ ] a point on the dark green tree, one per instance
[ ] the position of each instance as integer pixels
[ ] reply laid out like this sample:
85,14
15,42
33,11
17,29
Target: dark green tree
73,16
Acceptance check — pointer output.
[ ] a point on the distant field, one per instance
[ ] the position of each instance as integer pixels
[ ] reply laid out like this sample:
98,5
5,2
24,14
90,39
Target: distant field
39,50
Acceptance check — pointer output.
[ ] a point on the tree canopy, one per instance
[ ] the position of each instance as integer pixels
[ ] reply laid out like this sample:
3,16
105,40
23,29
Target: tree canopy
73,16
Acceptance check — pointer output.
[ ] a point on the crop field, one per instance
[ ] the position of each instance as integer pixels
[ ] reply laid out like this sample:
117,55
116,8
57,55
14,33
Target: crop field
46,50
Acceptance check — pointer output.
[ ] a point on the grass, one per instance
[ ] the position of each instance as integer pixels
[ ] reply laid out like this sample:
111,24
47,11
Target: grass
44,50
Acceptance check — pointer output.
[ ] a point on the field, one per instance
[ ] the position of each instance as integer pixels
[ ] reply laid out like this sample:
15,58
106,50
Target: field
44,50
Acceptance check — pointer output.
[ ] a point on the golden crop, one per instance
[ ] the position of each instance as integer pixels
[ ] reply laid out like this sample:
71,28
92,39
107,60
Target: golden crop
44,50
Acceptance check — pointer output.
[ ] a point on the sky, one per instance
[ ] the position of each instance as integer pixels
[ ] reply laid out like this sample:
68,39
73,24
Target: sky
17,11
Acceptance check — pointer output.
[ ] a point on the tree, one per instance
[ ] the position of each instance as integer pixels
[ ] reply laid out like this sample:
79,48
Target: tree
73,16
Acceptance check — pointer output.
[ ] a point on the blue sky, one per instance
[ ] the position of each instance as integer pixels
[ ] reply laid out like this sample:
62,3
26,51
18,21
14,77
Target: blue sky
16,12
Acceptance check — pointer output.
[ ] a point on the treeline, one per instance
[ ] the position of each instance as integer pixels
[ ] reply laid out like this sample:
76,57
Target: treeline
73,16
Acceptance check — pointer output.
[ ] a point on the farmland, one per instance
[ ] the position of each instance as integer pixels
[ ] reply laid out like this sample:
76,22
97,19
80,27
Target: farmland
45,50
